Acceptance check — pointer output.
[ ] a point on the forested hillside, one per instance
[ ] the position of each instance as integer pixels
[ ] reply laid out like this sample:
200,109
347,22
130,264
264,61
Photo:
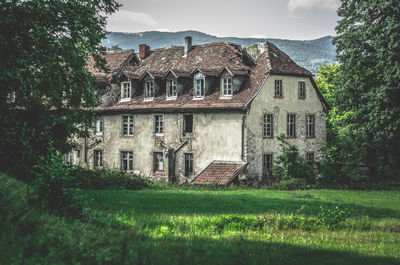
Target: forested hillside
310,54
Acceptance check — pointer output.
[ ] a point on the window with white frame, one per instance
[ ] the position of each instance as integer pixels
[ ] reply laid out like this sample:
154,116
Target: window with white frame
125,91
301,86
278,88
158,124
126,160
68,159
99,126
158,161
127,125
310,125
291,125
267,126
267,165
98,158
149,90
199,82
226,85
172,91
188,164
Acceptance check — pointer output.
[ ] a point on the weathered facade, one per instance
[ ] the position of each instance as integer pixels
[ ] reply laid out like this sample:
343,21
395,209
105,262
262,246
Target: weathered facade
203,114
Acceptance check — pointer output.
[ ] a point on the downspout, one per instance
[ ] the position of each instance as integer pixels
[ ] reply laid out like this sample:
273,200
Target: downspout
243,139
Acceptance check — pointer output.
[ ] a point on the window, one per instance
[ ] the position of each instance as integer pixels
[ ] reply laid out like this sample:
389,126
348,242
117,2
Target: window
126,160
78,153
149,90
99,126
171,88
188,164
68,159
199,85
278,88
187,124
291,125
267,126
158,124
158,161
267,165
125,91
226,85
302,89
310,125
310,158
98,158
127,125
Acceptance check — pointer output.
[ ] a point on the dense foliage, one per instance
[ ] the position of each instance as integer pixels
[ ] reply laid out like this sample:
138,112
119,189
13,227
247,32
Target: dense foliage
368,49
46,90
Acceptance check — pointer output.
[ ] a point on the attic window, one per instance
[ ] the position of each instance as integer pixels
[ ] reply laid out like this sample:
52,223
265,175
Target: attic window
171,88
149,90
226,87
199,80
125,91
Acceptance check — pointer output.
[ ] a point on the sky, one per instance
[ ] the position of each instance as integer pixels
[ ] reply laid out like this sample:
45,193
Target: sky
286,19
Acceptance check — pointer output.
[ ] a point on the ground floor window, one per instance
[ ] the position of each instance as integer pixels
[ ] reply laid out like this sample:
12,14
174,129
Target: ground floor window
310,158
126,160
267,165
188,164
98,158
158,161
68,159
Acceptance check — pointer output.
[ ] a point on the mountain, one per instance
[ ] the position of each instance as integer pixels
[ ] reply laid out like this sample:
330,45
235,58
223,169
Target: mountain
310,54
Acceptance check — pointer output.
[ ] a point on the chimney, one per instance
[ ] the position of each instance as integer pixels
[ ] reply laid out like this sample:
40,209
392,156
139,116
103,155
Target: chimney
143,51
188,44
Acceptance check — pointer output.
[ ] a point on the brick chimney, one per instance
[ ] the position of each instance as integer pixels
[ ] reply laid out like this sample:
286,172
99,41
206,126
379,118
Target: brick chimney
188,44
143,51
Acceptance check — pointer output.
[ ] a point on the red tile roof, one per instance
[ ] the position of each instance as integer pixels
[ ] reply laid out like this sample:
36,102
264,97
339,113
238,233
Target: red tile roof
211,59
219,173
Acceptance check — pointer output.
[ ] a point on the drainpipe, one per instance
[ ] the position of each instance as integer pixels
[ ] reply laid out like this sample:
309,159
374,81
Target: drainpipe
243,128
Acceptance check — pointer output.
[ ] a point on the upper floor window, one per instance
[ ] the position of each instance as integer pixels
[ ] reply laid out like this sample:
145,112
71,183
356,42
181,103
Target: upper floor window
291,125
158,161
99,126
172,91
149,90
302,89
98,158
267,126
68,159
226,85
199,83
127,125
188,164
158,124
125,91
278,88
310,126
187,124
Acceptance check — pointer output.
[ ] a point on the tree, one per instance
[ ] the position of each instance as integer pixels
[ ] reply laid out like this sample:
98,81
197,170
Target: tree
368,49
44,49
114,48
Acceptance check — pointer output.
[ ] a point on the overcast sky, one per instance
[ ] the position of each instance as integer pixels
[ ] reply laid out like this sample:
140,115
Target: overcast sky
288,19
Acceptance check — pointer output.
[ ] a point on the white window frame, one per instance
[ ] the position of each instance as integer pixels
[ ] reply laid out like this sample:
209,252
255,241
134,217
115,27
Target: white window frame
68,159
268,125
127,120
199,85
158,125
99,126
126,91
97,158
172,90
291,123
128,157
149,90
158,161
226,87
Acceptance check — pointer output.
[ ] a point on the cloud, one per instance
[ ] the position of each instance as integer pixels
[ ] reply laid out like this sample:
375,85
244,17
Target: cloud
124,20
307,4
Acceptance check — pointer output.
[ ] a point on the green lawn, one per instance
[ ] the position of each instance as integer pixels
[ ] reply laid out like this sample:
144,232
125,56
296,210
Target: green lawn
176,226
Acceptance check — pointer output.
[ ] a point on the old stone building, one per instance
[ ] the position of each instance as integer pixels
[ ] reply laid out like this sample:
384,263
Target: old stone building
203,114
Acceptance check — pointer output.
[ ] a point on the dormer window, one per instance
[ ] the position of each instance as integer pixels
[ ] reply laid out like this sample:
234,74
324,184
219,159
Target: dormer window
171,88
199,81
226,87
149,90
125,91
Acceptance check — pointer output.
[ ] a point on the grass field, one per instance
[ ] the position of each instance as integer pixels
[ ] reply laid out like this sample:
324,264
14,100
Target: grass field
174,226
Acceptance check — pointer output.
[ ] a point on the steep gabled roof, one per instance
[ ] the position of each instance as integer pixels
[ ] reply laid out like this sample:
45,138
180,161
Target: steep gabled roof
220,173
114,60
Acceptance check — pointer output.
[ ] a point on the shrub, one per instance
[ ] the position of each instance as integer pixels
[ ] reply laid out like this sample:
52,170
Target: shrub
332,216
290,164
